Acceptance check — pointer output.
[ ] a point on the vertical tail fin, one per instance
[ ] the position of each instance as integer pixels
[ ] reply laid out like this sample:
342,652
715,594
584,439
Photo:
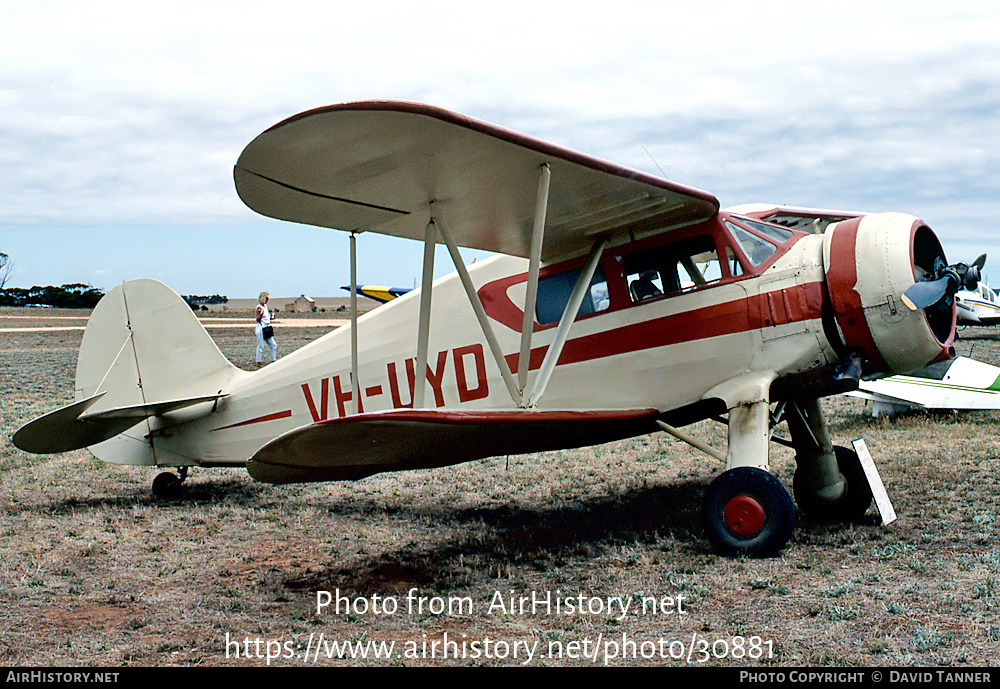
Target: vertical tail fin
143,345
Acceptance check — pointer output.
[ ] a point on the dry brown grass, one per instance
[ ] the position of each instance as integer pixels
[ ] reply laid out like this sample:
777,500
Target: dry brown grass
96,571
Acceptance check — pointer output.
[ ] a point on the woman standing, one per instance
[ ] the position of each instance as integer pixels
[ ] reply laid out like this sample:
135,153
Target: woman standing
265,333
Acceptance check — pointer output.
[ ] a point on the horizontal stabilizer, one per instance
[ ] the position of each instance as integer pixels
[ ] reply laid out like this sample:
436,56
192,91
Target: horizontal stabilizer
72,428
62,430
143,411
357,446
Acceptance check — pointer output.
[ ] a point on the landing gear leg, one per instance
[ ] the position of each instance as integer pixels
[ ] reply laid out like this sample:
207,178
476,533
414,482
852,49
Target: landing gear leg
747,510
167,486
830,483
748,435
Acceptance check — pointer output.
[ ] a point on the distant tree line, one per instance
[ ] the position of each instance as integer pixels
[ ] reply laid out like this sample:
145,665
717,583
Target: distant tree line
195,301
74,296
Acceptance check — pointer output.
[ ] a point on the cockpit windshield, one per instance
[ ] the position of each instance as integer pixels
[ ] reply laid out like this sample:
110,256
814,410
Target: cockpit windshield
758,247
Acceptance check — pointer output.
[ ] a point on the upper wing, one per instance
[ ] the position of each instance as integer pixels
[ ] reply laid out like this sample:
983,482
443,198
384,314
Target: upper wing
377,166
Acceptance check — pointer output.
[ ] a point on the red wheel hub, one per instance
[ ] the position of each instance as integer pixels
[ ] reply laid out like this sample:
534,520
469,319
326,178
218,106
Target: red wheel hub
744,516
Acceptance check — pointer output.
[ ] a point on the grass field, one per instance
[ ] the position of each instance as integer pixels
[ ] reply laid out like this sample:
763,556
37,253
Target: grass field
95,571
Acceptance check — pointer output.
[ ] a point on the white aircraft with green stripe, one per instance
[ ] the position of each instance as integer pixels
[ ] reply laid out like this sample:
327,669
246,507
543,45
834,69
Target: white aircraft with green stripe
960,383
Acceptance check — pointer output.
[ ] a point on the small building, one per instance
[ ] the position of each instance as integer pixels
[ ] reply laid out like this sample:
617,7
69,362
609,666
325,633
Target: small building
303,304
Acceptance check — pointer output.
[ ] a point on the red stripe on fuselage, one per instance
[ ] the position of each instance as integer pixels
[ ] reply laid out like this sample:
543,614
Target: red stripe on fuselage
267,417
798,303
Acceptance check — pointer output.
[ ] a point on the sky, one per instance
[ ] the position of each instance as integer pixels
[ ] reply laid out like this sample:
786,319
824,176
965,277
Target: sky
120,122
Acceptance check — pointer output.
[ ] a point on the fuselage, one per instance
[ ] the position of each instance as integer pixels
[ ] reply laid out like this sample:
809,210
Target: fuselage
670,320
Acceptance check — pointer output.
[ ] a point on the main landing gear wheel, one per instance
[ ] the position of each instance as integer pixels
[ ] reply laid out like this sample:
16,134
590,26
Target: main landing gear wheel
167,486
857,497
748,511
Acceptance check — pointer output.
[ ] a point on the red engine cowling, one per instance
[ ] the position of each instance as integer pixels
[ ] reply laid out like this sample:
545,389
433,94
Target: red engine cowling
870,261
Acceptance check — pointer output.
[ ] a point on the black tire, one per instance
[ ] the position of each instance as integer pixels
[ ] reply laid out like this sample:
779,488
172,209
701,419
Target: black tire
851,506
748,512
167,486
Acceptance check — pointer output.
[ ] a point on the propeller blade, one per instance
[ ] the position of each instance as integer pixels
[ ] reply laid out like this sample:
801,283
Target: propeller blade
980,262
920,295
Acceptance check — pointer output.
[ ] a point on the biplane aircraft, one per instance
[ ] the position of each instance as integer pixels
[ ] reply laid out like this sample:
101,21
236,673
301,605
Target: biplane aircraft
618,304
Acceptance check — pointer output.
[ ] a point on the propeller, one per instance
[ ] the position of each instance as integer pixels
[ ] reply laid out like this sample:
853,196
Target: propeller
943,281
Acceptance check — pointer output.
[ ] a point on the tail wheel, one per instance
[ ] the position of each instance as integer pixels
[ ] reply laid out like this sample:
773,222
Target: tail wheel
748,512
852,505
167,486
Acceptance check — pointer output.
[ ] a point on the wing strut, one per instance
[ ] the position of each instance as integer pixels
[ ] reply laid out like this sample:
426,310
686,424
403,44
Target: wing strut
477,306
355,381
566,322
534,262
518,388
423,325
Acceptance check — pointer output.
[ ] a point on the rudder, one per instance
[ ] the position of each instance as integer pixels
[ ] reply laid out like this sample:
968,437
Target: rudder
143,345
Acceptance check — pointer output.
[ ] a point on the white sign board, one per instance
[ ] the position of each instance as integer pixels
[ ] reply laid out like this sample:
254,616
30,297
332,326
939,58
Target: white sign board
875,481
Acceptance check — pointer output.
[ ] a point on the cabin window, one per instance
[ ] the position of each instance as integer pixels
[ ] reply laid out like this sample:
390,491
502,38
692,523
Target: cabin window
674,267
756,249
554,292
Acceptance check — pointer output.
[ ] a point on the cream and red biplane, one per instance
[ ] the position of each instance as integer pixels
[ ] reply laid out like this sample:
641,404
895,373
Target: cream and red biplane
619,304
